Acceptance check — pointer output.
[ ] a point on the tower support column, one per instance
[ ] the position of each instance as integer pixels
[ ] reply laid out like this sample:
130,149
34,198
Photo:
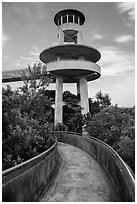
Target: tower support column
84,95
78,88
58,100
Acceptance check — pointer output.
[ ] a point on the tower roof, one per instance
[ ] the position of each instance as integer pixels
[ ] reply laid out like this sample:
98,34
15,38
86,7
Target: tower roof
69,11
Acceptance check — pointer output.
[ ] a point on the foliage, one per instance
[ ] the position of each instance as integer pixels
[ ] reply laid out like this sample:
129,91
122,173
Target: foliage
101,101
27,118
70,98
28,115
72,116
116,127
36,100
35,77
60,127
93,106
26,138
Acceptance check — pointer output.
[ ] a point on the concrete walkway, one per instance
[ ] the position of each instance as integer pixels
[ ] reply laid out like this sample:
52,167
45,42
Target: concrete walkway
80,179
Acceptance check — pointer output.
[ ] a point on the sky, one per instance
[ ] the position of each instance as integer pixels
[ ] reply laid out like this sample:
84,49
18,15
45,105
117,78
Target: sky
28,28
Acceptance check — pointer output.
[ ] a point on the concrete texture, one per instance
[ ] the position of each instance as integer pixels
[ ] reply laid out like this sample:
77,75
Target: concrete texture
80,179
69,23
69,51
114,166
25,182
84,95
58,101
73,69
69,12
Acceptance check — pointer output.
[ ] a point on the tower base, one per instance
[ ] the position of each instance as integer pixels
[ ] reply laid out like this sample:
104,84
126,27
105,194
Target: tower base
82,89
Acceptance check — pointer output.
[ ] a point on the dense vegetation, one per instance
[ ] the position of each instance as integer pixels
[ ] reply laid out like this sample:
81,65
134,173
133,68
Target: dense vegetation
116,127
28,117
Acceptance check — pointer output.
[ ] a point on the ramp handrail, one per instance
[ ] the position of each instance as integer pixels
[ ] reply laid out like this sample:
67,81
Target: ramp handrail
118,171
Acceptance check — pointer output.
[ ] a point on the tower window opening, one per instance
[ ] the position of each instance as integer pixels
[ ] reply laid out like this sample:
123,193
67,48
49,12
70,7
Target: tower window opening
70,18
70,36
64,19
76,19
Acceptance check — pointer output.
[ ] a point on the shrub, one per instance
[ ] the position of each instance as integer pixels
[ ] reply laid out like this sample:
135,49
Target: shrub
116,127
23,135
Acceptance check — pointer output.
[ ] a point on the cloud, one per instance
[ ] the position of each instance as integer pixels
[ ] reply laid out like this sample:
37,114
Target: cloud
35,51
116,62
92,36
124,39
5,38
5,57
26,58
30,12
18,64
97,36
31,58
127,7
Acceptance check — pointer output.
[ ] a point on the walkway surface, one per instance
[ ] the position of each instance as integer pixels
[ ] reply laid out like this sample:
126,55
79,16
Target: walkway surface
80,179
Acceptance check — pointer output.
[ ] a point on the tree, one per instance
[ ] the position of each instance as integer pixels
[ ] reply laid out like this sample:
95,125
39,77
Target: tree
101,101
93,106
34,94
27,114
22,136
35,78
116,127
126,149
72,116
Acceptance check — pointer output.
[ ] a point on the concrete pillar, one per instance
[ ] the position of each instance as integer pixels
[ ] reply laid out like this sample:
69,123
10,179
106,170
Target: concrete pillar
73,18
84,95
79,38
78,21
78,88
61,20
58,101
61,37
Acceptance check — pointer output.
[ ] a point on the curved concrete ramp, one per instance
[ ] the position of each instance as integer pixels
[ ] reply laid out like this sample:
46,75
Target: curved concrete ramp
80,179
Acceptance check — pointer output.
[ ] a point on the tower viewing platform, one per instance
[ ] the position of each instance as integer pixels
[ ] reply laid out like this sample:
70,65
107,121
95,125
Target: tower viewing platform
70,61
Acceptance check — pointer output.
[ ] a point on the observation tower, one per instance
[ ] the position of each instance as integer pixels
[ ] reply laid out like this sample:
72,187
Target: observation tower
70,61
